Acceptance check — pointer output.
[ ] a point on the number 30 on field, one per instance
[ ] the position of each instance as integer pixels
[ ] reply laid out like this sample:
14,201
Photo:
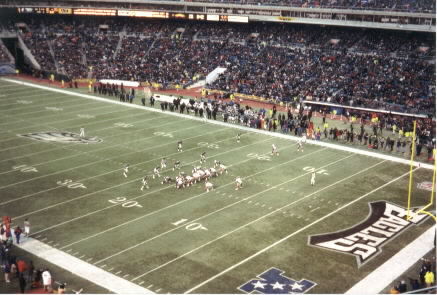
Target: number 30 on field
125,203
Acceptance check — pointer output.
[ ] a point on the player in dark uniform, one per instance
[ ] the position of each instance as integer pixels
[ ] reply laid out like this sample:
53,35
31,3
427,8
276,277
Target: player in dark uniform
180,146
167,179
238,137
203,158
177,165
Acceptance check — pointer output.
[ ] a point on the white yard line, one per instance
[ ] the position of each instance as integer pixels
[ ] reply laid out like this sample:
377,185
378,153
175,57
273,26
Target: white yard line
91,163
393,268
204,216
138,197
259,218
81,268
294,233
106,147
43,106
279,135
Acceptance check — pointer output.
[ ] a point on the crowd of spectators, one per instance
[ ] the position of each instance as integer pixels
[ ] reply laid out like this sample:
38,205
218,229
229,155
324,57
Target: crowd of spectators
4,56
276,62
393,5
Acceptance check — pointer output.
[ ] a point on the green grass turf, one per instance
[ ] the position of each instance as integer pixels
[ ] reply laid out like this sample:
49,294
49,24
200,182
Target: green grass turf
151,244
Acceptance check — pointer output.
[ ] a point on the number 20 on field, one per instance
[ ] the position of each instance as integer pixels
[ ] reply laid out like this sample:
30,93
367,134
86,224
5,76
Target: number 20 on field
125,202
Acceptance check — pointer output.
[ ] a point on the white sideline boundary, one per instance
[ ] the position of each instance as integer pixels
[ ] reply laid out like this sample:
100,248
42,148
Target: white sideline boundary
393,268
279,135
81,268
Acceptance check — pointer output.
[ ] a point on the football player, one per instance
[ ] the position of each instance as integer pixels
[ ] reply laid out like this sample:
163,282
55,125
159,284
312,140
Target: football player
180,146
177,165
203,158
313,178
163,163
239,183
156,172
144,182
82,132
274,150
125,170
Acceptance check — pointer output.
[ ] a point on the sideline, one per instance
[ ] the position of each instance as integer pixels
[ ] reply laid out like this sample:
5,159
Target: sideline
81,268
393,268
268,133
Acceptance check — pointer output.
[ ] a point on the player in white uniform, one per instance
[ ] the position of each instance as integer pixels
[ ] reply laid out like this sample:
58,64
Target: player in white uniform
238,137
26,227
274,150
163,163
144,181
239,183
156,172
125,170
208,186
180,146
300,145
82,132
313,178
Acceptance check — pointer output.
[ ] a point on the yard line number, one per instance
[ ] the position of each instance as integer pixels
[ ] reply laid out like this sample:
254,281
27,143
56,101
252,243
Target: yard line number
208,145
123,125
55,109
163,134
190,225
125,203
24,168
259,157
21,101
70,184
312,169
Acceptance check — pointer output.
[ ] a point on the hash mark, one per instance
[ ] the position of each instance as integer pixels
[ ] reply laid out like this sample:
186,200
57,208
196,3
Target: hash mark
118,272
44,239
315,209
149,286
89,259
69,250
125,275
158,290
103,266
81,256
142,282
75,253
110,269
37,236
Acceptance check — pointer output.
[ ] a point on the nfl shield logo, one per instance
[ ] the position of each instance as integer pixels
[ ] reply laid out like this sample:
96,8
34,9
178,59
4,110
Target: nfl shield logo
273,281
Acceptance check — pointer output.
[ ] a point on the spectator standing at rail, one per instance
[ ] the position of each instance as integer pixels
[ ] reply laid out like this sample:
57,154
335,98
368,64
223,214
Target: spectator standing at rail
17,233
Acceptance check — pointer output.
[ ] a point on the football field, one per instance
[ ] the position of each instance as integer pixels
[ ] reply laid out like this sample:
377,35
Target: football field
321,238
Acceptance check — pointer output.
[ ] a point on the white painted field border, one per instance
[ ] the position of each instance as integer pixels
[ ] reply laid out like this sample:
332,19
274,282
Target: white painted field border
295,233
279,135
81,268
259,218
183,201
218,210
92,163
85,152
109,188
393,268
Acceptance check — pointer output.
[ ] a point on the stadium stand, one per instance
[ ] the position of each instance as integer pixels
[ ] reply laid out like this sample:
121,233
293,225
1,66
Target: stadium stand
362,68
